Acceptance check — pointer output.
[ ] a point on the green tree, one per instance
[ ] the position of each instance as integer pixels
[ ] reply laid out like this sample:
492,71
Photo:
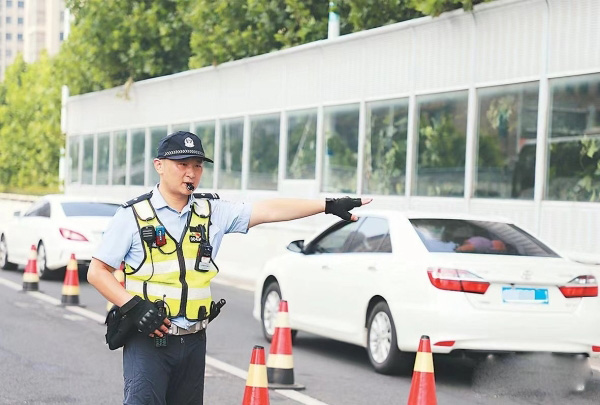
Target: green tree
358,15
117,42
227,30
436,7
30,136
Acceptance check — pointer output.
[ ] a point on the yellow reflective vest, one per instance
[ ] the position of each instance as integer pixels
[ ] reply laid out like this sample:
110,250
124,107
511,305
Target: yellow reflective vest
169,272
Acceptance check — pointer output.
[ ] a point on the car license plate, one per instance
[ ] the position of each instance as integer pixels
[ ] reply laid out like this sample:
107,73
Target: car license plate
522,295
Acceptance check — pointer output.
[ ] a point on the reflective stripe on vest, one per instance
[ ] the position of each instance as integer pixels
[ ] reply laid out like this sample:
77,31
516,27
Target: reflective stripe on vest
169,271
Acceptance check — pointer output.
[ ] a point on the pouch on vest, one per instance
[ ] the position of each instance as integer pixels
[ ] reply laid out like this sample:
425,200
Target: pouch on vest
119,328
203,257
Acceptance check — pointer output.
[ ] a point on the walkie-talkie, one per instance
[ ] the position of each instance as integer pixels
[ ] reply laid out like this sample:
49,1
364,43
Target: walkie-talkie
162,312
148,234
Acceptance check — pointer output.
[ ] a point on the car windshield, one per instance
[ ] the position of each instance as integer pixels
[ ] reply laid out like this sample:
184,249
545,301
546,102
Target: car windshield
89,209
484,237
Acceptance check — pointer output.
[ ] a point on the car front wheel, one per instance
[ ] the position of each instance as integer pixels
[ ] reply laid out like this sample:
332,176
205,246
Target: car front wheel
42,269
4,263
270,300
382,345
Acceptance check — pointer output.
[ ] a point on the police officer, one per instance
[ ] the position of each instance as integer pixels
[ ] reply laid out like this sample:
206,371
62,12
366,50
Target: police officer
168,239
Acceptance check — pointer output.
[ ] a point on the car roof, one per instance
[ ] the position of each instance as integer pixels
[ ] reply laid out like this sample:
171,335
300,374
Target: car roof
59,198
392,213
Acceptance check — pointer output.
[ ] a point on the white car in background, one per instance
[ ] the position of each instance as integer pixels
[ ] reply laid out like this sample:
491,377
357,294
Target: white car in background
58,226
472,284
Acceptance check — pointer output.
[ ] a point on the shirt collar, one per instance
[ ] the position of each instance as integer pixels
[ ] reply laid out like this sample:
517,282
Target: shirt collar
159,202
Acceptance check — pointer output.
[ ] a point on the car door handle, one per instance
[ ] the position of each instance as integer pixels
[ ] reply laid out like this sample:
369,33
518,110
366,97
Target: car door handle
325,267
372,268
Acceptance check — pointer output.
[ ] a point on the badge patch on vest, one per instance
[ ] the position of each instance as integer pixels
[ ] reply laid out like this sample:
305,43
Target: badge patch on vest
196,238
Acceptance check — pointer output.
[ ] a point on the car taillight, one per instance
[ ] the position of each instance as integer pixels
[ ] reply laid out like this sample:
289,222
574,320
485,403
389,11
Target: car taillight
72,235
582,286
445,343
457,280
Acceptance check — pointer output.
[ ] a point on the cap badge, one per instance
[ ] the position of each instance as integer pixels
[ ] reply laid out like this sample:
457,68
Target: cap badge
188,142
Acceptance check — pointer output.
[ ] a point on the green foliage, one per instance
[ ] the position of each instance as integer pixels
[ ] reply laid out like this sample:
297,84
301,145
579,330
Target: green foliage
227,30
341,138
501,116
117,42
301,154
30,136
361,15
233,29
588,186
385,151
436,7
438,140
441,159
264,153
574,171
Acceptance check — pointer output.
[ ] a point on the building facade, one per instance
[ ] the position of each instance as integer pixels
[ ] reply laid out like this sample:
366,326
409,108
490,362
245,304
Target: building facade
44,27
494,111
28,27
12,31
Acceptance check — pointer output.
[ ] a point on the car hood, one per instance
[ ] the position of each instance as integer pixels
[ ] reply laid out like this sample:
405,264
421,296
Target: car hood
515,269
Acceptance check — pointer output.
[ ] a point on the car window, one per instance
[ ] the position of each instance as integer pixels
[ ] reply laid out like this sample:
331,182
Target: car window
467,236
44,210
372,236
34,210
89,209
334,239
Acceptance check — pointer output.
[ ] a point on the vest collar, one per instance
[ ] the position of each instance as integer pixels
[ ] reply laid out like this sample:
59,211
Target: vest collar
158,201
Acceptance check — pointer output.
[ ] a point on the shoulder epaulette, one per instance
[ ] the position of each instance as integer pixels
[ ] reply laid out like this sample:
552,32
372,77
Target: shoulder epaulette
207,196
142,197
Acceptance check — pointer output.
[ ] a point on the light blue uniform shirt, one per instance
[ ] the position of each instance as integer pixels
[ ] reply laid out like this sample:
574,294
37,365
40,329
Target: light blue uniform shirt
122,240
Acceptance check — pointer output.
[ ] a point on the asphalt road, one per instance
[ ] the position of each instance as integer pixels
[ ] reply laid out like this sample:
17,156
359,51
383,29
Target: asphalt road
56,355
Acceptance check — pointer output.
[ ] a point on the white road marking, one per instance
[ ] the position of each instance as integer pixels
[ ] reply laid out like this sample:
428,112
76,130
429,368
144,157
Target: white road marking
303,399
87,313
43,297
74,317
232,283
211,361
10,284
291,394
294,395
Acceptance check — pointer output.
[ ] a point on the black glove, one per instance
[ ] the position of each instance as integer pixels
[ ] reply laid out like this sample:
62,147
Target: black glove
143,313
341,206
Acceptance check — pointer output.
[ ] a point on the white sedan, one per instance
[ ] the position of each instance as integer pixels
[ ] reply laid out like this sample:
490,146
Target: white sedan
471,284
58,226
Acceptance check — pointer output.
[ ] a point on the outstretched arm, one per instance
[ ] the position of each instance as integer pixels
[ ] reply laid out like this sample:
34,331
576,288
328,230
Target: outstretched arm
276,210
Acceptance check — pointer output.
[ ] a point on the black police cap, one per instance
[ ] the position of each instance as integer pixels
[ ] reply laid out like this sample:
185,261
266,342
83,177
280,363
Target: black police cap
181,145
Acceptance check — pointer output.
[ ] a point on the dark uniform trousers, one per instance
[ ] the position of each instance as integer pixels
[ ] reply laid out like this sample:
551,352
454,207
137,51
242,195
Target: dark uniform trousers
171,375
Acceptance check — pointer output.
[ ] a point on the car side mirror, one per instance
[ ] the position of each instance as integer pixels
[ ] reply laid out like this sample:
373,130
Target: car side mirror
296,246
17,214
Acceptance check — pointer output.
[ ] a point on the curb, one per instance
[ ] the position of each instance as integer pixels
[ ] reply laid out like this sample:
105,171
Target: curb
18,197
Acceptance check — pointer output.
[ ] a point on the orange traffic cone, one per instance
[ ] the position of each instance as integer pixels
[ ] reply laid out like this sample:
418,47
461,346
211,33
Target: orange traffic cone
257,391
120,276
31,280
70,290
422,388
280,364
